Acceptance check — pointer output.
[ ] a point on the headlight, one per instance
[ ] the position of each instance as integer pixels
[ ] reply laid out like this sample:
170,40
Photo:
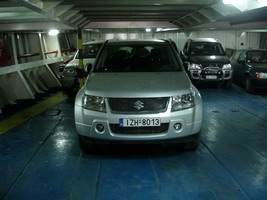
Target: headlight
227,67
184,101
94,103
70,71
194,66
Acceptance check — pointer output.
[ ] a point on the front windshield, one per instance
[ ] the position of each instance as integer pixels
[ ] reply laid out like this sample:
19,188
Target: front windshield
137,58
206,48
257,56
89,50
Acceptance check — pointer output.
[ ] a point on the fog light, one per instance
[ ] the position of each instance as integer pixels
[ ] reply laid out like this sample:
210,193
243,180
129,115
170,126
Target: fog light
177,126
100,128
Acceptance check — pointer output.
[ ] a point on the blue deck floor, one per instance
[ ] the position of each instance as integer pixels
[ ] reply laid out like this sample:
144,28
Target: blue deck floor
41,158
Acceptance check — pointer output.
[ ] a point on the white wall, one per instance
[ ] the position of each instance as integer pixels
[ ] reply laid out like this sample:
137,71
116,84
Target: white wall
229,39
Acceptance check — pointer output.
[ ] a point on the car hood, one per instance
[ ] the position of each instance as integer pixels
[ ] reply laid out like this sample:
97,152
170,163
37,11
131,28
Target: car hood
141,84
75,62
258,67
209,59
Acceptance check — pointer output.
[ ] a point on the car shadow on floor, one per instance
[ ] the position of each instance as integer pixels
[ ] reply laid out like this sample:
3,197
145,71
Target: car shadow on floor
138,150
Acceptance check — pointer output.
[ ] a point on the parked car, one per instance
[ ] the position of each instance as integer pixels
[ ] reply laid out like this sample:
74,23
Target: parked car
138,92
250,68
65,62
205,61
69,76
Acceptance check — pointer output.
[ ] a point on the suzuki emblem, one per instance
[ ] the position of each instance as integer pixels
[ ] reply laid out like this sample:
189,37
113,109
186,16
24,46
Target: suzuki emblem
138,105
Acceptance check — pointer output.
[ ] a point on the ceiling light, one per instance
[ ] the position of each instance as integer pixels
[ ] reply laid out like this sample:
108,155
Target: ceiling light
264,2
53,32
148,29
234,2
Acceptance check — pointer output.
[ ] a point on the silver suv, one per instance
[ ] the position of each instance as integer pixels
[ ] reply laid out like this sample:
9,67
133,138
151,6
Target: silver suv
138,92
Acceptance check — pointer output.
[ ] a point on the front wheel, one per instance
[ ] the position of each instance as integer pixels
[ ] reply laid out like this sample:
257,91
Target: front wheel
249,86
228,84
192,145
72,91
89,147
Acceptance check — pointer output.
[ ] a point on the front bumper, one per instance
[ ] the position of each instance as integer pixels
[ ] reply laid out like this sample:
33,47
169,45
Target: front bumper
208,74
259,83
86,122
67,81
189,138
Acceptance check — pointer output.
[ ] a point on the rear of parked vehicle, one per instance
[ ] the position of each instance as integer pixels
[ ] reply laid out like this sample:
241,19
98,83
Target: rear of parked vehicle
138,92
205,61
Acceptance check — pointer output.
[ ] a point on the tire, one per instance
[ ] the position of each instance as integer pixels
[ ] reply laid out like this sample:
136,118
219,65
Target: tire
228,84
248,85
70,92
89,147
191,146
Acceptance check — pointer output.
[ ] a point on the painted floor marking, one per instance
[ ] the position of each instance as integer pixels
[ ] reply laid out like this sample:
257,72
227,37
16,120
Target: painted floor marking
28,113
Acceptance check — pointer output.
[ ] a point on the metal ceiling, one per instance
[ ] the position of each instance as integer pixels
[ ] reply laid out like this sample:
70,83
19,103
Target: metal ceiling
89,14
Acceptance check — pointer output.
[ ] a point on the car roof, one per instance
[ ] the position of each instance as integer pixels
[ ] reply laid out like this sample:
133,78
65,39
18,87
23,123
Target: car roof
204,40
253,50
94,42
135,41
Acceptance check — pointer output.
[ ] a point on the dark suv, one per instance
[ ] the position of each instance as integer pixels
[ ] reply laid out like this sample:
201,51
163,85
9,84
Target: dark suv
205,60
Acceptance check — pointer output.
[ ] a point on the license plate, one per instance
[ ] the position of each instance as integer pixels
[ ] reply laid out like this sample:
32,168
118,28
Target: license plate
262,75
211,77
139,122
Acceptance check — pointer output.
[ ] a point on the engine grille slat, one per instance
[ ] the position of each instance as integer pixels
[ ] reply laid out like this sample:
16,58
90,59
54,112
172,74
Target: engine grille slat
138,105
212,65
115,128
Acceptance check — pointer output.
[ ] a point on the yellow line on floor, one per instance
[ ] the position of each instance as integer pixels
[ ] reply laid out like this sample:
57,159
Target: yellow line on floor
28,113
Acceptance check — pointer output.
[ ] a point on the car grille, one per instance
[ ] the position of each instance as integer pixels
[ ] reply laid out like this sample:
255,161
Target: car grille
115,128
138,105
212,70
212,65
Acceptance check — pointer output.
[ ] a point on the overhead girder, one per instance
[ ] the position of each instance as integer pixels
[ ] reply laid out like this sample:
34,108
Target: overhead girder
80,13
220,11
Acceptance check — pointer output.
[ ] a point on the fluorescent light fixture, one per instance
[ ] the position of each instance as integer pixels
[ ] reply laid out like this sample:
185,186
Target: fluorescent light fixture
212,57
234,2
263,2
166,29
148,30
53,32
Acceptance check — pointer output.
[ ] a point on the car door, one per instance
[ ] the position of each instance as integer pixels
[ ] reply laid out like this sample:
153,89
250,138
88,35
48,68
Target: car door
242,67
238,64
184,56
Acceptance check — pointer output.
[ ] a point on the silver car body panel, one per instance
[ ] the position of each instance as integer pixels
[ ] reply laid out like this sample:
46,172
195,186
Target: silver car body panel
138,85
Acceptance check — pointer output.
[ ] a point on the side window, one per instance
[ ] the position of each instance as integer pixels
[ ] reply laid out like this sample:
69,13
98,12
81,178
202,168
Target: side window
236,55
185,50
242,56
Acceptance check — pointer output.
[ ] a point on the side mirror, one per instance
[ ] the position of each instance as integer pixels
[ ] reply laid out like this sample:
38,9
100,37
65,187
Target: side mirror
242,61
183,55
